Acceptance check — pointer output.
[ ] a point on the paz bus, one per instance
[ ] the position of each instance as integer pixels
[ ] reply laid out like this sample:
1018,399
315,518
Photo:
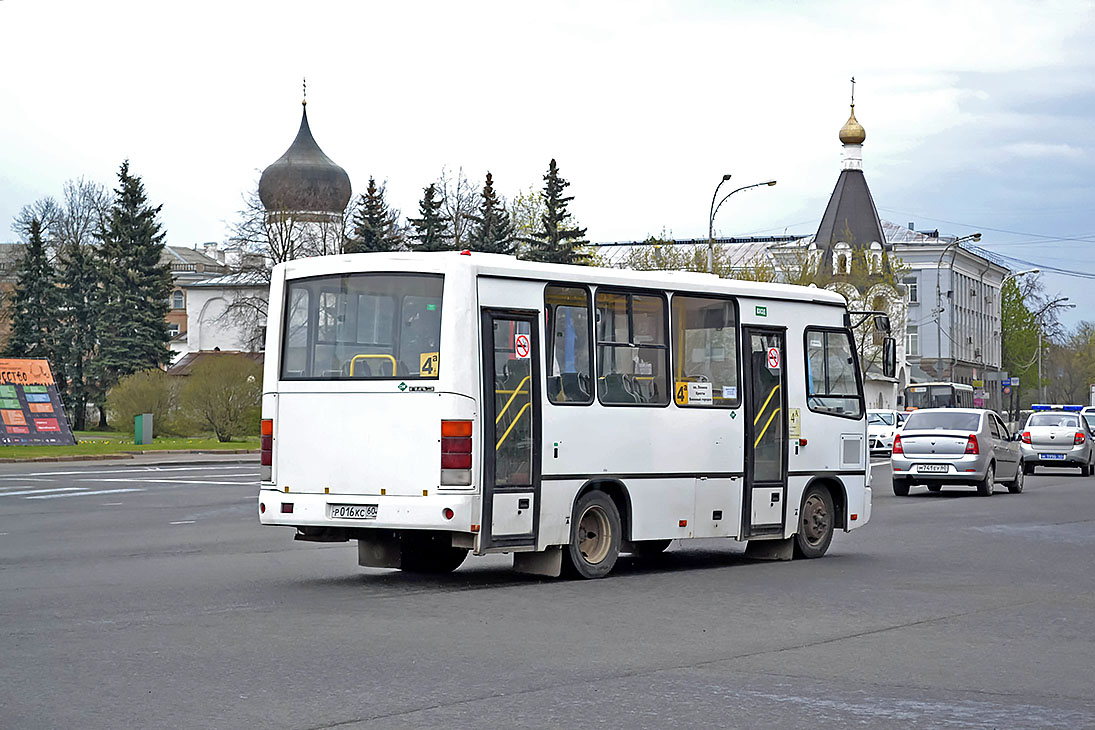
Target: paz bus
431,405
938,395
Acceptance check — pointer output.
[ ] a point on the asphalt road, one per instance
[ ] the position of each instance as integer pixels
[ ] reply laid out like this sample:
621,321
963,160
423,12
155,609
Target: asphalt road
149,597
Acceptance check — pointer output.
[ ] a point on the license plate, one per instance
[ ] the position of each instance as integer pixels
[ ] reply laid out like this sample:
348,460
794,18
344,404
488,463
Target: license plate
1051,456
353,511
932,467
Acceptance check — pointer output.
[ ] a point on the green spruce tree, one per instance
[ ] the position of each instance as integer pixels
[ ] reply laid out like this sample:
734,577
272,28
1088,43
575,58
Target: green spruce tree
133,304
431,230
559,240
34,302
78,326
376,227
493,229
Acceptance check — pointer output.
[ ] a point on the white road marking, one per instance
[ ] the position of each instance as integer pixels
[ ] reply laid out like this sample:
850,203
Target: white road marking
43,491
84,494
182,522
165,481
112,504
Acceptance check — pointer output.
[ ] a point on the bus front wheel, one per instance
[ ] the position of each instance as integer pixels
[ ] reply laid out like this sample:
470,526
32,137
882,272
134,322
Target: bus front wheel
595,536
815,528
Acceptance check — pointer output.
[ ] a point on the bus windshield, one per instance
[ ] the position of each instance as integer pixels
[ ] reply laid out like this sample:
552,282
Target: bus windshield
362,326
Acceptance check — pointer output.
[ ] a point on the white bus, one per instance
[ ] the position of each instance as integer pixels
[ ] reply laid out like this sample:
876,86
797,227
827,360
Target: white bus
429,405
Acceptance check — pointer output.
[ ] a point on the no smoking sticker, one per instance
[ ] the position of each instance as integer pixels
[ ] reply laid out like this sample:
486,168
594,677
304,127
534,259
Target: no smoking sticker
773,358
521,346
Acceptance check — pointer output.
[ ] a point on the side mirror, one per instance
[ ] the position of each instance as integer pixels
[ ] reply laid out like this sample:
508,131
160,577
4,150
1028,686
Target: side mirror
889,357
882,323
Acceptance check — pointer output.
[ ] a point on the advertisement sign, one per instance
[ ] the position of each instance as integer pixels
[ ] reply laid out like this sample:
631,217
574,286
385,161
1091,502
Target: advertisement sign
30,409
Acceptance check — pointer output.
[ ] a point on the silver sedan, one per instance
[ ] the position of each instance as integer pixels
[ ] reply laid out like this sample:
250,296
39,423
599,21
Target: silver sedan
967,446
1057,438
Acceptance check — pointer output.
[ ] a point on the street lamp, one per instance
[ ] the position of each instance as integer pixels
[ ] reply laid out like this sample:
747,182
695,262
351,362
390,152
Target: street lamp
1017,274
939,302
715,209
1055,304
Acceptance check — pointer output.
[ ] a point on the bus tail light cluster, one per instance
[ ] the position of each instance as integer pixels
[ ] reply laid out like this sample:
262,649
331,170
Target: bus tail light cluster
897,447
971,445
266,449
456,453
1079,438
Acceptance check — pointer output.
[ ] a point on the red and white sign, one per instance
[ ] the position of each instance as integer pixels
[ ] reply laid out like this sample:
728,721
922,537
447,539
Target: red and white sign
521,346
773,358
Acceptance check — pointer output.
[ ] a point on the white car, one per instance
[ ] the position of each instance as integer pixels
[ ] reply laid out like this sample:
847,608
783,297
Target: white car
882,426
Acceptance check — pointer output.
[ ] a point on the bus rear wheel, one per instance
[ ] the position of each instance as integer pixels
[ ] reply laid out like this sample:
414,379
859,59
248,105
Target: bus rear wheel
595,537
815,527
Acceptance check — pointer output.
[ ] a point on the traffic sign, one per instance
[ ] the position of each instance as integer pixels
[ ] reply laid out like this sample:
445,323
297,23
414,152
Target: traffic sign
1015,381
1005,382
1007,390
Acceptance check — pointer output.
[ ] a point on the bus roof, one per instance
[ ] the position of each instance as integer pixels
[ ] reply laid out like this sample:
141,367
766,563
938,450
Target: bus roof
511,267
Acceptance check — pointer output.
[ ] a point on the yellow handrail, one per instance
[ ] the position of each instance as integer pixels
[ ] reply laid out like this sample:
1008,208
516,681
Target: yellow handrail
515,420
503,411
762,408
765,429
355,358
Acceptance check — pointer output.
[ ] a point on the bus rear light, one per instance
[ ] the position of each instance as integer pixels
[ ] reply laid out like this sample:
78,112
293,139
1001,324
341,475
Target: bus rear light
897,447
1079,438
1026,437
456,448
971,445
448,513
262,508
266,449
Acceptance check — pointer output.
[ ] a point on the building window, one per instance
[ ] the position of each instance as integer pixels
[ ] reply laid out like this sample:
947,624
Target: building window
177,301
913,288
912,340
173,329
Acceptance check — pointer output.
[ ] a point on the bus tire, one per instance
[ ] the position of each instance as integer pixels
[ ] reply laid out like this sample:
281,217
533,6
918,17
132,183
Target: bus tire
595,537
816,523
430,555
901,487
649,548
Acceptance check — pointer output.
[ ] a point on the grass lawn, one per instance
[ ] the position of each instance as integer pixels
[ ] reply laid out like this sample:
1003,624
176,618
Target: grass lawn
106,442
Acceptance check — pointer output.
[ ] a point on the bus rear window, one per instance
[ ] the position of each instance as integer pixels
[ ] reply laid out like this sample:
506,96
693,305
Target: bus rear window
362,326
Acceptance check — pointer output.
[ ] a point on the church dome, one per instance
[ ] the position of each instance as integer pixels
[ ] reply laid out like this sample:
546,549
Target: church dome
304,179
852,132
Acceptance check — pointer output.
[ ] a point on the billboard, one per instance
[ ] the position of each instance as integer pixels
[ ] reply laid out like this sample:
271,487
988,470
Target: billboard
30,408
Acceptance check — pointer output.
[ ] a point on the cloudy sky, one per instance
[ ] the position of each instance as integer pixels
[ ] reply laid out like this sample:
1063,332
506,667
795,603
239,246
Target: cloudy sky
979,115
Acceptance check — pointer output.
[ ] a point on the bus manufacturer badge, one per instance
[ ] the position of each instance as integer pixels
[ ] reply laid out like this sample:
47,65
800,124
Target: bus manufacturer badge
521,346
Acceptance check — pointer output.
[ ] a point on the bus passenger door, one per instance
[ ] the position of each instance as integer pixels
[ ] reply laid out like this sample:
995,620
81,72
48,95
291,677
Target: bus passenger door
765,432
511,429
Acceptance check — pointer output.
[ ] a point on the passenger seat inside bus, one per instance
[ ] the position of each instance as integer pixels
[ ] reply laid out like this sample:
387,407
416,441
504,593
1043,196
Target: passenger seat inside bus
619,390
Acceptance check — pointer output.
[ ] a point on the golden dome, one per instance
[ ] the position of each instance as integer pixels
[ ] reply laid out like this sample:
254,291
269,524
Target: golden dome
852,132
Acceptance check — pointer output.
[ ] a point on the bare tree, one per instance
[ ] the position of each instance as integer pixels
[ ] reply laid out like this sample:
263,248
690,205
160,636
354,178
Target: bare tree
459,201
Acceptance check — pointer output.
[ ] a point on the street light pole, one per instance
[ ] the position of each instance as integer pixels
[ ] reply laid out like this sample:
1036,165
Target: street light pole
715,209
939,302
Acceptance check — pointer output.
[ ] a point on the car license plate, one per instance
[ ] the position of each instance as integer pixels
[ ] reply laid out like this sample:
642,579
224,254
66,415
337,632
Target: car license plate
353,511
1051,456
931,467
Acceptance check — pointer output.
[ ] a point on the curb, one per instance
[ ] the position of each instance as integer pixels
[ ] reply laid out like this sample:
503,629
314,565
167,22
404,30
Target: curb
132,455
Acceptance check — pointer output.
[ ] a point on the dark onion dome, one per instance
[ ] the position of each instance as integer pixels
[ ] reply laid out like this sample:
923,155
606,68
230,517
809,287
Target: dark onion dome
304,179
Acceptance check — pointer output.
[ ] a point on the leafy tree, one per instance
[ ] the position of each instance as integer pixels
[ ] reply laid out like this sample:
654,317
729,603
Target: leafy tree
34,302
525,209
431,230
459,201
558,240
149,391
223,393
376,227
132,331
492,231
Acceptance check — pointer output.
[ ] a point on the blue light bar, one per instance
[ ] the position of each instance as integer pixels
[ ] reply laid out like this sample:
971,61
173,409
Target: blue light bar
1073,408
1048,407
1040,407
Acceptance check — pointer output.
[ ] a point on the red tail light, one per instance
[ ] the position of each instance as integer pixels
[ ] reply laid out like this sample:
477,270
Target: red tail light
897,447
1079,439
456,447
971,445
1026,437
266,448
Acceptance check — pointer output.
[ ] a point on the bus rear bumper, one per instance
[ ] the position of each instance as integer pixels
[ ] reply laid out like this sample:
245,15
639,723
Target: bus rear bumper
392,512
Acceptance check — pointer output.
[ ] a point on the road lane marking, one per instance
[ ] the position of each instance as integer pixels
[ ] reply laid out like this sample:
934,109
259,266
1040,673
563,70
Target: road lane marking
166,481
112,504
182,522
43,491
83,494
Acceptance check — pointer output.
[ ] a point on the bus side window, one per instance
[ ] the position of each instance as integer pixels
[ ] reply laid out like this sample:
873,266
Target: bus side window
632,352
705,352
568,347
